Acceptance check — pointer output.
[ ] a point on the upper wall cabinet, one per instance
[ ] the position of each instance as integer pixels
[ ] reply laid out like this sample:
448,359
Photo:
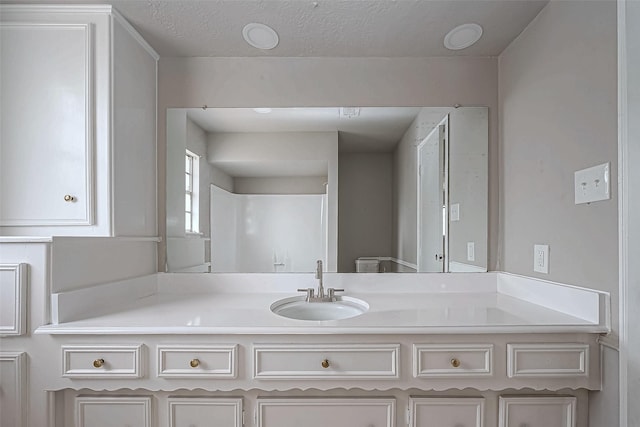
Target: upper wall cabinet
77,123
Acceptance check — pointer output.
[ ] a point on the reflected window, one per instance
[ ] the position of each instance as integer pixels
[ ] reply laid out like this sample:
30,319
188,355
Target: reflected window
191,217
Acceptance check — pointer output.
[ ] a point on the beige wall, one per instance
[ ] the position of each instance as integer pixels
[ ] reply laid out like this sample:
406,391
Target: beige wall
365,202
557,115
293,82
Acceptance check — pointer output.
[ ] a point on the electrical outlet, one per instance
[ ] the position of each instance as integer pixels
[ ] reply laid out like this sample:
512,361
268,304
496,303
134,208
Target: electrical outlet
471,251
541,258
455,212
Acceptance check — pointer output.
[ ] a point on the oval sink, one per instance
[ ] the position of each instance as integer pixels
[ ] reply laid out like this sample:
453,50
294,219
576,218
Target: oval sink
298,308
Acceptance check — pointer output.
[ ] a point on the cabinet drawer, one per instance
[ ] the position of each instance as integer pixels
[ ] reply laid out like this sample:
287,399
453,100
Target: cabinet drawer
219,361
80,361
452,360
547,360
325,361
442,411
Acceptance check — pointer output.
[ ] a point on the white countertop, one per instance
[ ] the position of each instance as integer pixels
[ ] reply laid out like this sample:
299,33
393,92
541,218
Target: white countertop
167,310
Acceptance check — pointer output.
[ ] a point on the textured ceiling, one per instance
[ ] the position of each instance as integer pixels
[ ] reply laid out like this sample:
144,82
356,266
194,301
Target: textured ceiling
322,28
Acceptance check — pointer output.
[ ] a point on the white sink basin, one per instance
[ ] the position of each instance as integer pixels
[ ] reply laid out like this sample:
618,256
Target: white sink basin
298,308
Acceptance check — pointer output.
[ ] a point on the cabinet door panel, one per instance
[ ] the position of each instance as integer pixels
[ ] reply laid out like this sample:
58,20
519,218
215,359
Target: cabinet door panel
13,388
447,412
113,411
326,412
205,412
537,412
46,133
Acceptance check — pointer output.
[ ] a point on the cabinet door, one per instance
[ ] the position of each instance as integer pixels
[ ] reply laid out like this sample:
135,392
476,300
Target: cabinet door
377,412
537,412
205,412
447,412
99,411
46,137
13,389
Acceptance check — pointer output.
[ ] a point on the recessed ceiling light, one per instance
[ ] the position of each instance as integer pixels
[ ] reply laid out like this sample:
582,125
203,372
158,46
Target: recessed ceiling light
462,36
262,110
260,36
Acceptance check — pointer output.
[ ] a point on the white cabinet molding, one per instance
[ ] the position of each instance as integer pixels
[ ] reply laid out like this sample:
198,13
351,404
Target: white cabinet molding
98,411
13,307
452,360
102,361
14,396
337,412
183,411
547,360
545,410
203,361
309,361
445,411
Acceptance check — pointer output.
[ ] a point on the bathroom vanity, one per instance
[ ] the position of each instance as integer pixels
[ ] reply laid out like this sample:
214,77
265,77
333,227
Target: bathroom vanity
456,349
92,336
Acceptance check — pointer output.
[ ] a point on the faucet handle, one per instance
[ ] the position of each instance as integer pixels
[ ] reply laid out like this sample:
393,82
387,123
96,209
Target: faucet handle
332,292
310,292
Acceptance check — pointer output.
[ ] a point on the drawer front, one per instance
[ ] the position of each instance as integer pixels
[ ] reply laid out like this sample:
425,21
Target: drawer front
452,360
80,361
441,411
219,361
378,361
547,360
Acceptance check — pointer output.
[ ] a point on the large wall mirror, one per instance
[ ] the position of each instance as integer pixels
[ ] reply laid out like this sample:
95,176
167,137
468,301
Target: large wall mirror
365,189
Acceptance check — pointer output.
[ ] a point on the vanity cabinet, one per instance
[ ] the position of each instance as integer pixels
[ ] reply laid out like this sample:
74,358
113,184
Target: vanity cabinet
292,380
78,134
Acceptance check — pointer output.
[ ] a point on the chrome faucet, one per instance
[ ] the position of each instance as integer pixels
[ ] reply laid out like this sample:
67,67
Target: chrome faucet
319,277
320,296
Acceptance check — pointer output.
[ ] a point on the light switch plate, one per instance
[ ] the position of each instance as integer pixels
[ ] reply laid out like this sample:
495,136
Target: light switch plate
592,184
455,212
541,258
471,251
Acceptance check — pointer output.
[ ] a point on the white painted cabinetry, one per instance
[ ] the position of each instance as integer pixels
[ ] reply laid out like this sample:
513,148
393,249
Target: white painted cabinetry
205,412
107,411
78,137
537,411
322,412
13,388
444,412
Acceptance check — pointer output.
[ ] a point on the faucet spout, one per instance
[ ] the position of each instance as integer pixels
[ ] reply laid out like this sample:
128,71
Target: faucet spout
319,277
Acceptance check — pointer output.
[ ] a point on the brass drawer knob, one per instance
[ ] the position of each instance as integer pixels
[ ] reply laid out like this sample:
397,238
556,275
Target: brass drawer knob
69,198
455,363
325,363
194,363
98,363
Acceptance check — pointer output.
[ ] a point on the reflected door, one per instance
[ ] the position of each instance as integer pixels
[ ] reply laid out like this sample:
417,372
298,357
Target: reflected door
432,222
